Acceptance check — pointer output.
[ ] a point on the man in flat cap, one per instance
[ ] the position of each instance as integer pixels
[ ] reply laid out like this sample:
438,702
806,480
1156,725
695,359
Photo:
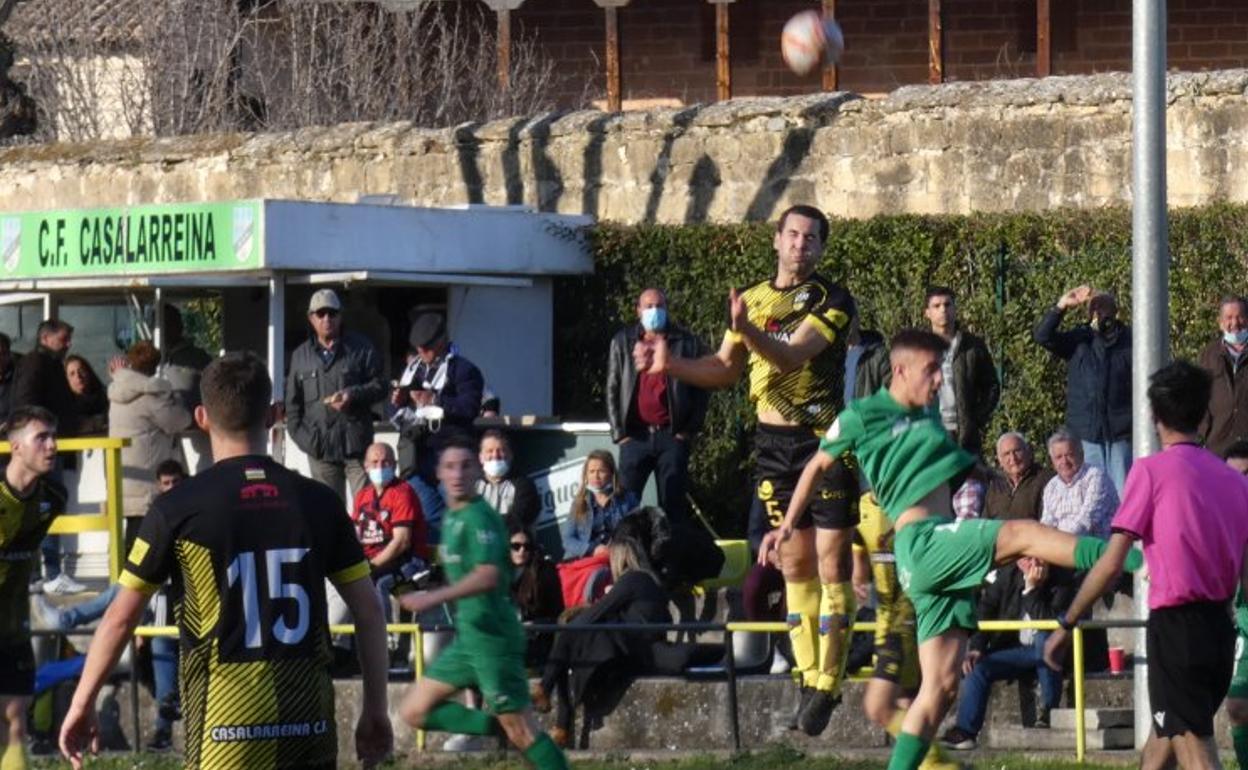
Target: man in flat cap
438,395
335,379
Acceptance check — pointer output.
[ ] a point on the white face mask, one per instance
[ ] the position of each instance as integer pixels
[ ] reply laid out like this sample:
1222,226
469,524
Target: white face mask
605,489
1235,338
496,469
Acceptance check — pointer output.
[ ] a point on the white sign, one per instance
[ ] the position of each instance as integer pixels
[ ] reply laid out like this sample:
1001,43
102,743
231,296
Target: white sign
557,487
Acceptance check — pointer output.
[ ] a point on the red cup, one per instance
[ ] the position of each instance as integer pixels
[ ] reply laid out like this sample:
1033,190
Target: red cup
1117,660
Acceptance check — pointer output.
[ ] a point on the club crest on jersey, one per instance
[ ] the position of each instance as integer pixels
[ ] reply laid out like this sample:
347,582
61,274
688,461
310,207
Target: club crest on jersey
254,474
799,302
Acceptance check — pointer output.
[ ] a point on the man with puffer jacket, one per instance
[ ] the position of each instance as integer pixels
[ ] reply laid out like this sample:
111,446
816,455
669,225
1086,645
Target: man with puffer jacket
334,381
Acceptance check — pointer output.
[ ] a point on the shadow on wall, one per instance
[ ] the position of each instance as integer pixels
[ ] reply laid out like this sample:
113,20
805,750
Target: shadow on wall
663,164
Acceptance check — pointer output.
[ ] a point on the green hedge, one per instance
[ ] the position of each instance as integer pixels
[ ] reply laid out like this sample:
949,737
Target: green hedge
1006,270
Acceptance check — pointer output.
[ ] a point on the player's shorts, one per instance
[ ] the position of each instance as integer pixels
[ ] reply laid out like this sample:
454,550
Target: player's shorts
940,563
17,669
780,455
1191,653
1239,677
896,651
501,678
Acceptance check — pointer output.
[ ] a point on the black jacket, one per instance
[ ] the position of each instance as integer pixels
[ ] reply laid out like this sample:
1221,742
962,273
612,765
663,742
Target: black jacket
460,399
1227,420
873,370
1003,599
319,430
685,403
39,380
1098,377
976,390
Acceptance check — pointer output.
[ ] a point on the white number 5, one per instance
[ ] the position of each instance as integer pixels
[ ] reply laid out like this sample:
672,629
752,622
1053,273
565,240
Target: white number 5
243,571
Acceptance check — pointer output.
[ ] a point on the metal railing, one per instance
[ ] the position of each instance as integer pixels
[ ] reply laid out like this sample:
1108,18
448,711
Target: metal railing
728,630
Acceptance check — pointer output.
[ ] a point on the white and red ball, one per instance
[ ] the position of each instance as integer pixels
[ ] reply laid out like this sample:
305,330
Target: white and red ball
809,39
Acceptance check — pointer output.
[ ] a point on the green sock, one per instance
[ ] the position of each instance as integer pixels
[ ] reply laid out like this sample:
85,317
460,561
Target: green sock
451,717
545,755
1134,560
1239,739
1087,550
908,752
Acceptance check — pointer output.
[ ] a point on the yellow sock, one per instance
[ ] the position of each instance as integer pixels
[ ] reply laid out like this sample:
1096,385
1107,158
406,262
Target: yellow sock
893,727
802,600
836,612
14,757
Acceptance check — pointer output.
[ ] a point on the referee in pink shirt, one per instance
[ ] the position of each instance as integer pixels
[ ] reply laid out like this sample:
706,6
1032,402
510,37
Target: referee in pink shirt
1190,512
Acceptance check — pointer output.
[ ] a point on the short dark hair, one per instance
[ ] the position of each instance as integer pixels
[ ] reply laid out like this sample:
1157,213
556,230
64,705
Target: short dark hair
1237,451
495,433
236,392
810,212
170,467
1178,394
1228,299
22,416
937,291
52,326
918,339
458,441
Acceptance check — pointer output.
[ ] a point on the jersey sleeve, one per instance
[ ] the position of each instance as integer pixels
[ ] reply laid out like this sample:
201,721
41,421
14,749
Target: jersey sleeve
151,558
843,435
344,557
1135,514
831,317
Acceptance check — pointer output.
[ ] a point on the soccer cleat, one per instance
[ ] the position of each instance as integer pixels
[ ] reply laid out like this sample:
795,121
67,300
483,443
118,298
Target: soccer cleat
803,697
814,718
958,739
63,585
463,743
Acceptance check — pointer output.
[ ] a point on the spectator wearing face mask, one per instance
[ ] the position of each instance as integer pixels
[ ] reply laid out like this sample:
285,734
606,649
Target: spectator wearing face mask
1224,359
653,417
512,494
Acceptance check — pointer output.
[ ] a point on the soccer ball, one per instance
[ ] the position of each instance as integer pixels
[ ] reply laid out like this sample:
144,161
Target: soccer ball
807,39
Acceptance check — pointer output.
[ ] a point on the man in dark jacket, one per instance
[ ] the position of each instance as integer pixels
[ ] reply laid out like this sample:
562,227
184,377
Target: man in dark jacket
39,377
1026,590
1225,361
1016,491
654,417
438,396
969,390
8,368
334,380
1098,378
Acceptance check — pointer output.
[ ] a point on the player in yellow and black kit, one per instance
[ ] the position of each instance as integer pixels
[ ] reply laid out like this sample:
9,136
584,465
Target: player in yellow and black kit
791,333
248,545
29,500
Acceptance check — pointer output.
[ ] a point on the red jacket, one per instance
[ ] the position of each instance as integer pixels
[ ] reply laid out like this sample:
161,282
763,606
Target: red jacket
375,518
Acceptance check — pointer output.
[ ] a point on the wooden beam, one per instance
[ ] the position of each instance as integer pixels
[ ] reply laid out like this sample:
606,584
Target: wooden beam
723,54
1044,39
614,98
831,72
504,49
935,42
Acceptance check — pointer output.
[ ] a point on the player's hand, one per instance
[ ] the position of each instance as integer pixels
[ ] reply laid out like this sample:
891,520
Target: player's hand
1055,648
862,592
970,661
643,355
738,313
80,731
416,602
339,400
771,542
374,738
1075,297
658,355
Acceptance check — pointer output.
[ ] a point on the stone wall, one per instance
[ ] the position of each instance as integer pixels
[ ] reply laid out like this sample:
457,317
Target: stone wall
992,146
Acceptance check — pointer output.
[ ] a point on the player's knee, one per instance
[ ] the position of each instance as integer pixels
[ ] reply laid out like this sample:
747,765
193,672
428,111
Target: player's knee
1237,710
413,714
878,710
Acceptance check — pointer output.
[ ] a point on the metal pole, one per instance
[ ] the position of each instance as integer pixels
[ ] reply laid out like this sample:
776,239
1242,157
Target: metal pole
730,669
1149,267
1081,727
134,696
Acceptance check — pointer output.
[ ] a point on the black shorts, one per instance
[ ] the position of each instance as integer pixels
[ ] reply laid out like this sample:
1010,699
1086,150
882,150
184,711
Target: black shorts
1191,655
17,669
780,455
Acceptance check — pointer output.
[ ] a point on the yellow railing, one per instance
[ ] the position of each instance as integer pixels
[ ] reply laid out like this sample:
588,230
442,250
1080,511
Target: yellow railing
110,520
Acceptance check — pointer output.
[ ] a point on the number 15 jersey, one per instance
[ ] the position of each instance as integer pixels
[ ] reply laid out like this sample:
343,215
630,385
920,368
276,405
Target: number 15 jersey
248,545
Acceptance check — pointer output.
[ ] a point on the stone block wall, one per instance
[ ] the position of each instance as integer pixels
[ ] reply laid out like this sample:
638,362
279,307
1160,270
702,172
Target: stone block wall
1024,145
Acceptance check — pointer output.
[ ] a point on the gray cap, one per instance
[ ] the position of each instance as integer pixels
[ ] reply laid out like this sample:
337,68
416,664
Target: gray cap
324,298
427,328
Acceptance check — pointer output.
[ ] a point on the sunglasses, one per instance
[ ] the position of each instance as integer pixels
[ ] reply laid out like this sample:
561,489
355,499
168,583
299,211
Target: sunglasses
325,311
518,547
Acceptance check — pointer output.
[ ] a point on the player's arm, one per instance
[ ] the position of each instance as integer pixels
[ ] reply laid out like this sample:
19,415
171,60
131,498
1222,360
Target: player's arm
482,578
806,343
400,543
1100,579
373,736
720,369
79,731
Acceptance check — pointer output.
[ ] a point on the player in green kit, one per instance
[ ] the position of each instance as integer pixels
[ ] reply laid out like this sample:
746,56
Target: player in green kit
906,454
488,652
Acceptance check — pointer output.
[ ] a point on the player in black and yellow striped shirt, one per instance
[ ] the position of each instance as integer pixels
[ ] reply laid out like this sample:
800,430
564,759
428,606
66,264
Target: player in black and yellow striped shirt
791,332
29,500
248,545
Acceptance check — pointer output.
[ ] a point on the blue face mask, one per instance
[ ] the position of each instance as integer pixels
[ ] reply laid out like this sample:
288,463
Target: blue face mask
381,476
654,319
1235,338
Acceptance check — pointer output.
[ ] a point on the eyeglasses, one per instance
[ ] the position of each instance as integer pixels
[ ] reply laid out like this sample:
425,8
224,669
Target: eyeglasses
326,311
518,547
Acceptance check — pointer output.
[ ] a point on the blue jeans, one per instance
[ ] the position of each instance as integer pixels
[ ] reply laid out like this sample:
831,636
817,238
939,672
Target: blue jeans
1113,457
432,504
90,610
50,549
1011,663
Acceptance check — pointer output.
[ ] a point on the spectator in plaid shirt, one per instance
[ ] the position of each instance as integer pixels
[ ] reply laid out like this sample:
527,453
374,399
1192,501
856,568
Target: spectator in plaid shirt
1080,499
968,499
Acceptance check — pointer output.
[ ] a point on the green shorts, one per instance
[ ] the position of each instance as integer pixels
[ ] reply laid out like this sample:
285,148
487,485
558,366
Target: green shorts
1239,679
940,563
501,678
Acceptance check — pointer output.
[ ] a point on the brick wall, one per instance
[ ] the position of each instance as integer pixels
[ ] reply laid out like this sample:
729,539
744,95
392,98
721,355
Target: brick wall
667,46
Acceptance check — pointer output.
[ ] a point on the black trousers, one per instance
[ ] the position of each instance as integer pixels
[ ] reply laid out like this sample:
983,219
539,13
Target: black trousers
667,457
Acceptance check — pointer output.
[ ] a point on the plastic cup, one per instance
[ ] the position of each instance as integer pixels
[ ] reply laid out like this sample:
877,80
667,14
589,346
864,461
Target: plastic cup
1117,660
